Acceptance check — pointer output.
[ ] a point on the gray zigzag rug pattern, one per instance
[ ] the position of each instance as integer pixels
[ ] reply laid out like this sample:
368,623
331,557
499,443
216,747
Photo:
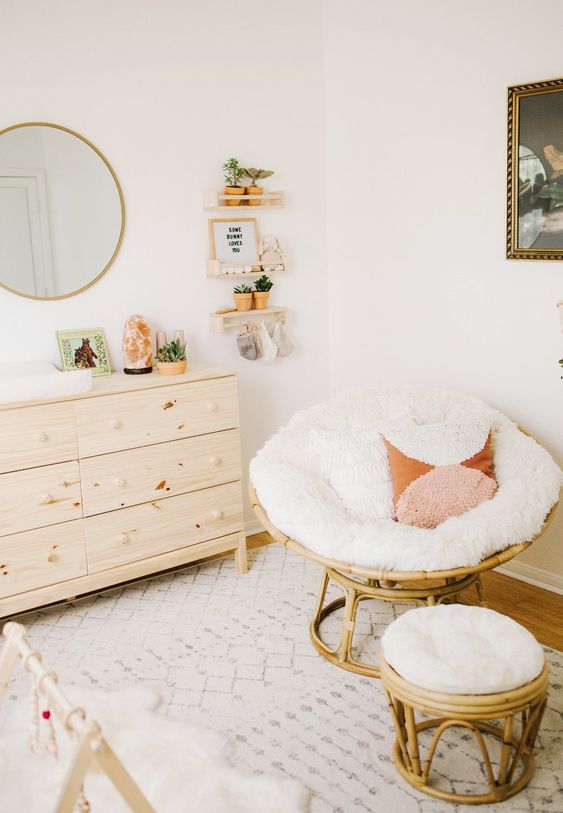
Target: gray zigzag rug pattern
233,653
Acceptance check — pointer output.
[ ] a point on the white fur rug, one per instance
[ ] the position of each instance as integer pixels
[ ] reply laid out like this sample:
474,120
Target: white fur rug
181,768
232,655
324,481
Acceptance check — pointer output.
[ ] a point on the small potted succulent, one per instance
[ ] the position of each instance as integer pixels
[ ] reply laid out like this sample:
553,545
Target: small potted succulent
242,295
261,293
233,173
256,175
171,358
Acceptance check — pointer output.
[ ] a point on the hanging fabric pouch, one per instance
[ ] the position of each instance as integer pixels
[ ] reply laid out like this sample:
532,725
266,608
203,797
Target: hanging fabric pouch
281,339
268,349
247,345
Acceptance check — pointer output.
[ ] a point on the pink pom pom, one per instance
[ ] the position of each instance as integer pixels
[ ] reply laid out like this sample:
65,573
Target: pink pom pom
46,714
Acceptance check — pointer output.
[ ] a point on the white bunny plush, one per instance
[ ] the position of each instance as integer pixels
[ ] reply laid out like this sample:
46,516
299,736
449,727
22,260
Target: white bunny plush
271,254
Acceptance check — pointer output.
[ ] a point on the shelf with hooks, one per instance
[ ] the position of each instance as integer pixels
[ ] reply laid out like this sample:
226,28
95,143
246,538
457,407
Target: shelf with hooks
216,202
220,322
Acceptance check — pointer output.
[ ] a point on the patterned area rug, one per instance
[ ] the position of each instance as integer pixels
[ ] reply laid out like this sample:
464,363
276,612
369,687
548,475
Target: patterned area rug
234,654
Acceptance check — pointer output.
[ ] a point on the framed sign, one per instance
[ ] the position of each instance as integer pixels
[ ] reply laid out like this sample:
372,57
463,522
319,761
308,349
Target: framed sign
234,240
84,349
535,171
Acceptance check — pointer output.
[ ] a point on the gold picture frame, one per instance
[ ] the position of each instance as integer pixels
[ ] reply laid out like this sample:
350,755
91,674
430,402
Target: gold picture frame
535,171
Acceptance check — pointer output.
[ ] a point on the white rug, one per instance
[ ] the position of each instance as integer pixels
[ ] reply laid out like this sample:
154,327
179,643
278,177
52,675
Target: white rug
233,654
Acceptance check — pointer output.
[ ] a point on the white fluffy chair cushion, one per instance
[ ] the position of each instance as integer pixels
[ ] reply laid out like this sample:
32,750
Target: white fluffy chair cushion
461,650
305,483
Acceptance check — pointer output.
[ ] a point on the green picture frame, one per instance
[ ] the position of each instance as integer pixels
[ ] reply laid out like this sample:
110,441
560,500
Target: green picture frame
84,349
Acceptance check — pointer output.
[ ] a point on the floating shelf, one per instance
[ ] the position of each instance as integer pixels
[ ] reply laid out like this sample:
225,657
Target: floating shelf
214,270
216,202
220,322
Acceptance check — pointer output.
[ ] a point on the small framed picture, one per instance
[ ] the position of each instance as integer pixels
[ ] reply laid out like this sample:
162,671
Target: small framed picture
234,241
84,350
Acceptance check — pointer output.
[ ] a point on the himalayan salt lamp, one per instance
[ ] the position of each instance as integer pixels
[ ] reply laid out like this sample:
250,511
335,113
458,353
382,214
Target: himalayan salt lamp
137,346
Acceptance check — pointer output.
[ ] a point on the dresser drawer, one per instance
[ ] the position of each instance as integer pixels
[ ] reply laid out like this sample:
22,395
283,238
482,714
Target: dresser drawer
117,422
38,497
121,479
42,557
37,436
153,528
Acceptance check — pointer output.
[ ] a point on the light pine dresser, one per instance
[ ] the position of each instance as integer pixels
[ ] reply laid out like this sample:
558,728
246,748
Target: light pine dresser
139,475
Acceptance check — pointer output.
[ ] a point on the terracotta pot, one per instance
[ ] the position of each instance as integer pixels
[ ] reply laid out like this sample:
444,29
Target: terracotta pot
172,367
243,302
234,190
260,299
254,190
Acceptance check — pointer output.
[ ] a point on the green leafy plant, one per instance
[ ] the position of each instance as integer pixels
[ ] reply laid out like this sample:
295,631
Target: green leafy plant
256,175
263,283
242,289
233,172
173,351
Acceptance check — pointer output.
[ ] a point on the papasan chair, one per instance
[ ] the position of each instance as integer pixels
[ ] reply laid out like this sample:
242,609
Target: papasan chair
322,486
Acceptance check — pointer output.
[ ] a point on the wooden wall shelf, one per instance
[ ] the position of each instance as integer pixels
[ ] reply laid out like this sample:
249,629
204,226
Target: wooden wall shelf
220,322
214,271
216,202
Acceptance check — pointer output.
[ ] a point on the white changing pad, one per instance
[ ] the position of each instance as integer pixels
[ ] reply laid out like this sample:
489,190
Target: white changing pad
462,650
33,380
324,481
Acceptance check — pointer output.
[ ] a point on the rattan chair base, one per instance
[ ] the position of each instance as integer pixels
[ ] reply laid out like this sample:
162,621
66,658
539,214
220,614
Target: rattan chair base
362,583
470,712
355,591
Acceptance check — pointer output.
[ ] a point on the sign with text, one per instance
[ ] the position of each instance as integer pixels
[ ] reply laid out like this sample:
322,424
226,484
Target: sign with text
234,241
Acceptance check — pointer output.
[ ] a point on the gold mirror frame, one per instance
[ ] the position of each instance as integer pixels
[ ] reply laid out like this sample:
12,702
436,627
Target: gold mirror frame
121,203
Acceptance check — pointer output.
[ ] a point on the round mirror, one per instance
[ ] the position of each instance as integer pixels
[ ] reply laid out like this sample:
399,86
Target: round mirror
62,214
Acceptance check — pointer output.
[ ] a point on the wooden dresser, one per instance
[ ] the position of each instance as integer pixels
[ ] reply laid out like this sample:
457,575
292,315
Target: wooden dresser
139,475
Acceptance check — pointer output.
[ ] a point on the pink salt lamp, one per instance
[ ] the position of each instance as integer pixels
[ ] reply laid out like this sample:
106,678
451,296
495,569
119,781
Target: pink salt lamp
137,346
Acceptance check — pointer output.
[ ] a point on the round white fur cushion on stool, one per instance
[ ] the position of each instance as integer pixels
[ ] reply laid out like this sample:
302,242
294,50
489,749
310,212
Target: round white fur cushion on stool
461,650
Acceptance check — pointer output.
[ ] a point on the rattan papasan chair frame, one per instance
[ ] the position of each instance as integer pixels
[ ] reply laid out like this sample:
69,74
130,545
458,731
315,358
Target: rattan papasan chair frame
361,583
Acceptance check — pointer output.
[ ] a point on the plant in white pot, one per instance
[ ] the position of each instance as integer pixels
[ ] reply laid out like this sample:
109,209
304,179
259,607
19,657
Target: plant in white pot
171,358
233,173
256,175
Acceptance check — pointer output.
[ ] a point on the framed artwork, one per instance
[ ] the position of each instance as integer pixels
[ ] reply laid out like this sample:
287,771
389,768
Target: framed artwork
535,171
84,349
234,240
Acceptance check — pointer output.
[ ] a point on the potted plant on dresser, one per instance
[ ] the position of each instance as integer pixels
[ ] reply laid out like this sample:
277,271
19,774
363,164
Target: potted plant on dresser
261,293
171,358
233,173
242,295
256,175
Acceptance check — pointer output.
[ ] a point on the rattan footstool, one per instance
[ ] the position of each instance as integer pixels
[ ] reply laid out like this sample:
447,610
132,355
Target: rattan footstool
466,667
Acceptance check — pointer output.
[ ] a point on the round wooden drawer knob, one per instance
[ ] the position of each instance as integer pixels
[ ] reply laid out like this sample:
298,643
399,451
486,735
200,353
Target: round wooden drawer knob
45,499
124,539
217,514
120,482
52,557
42,437
212,407
116,424
216,460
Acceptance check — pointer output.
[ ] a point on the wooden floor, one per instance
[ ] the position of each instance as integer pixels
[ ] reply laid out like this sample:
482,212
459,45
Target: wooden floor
541,611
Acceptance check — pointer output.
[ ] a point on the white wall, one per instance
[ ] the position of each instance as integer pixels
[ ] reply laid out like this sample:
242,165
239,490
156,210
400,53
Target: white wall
167,90
415,168
416,173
